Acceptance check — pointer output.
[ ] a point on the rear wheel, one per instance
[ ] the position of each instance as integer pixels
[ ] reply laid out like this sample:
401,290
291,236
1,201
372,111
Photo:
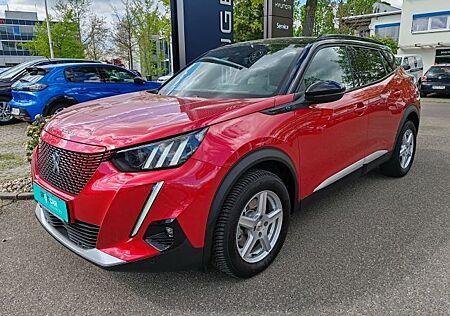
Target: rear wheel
57,107
5,113
252,225
404,152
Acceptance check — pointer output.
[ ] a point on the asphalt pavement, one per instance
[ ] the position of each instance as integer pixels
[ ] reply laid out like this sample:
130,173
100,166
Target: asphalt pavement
374,246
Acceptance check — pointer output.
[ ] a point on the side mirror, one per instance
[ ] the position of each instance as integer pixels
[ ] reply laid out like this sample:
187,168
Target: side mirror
324,91
406,67
139,80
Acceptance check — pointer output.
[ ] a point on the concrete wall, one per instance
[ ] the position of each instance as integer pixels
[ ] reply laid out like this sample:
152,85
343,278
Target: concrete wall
423,43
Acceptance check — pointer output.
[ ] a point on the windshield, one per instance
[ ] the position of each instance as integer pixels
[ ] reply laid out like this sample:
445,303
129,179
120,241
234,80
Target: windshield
12,72
438,71
242,71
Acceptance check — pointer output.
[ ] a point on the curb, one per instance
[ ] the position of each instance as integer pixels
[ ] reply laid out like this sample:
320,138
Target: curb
16,196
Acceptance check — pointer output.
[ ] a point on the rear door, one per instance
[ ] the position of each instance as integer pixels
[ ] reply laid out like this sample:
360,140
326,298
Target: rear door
339,139
383,96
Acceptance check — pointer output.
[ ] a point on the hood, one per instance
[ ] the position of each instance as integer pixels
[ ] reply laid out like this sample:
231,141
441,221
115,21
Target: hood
141,117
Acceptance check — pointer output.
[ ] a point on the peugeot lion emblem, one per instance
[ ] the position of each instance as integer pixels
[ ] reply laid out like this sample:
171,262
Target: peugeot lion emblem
56,158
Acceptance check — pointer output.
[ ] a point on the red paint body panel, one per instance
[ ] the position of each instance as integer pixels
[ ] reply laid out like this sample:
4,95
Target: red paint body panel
320,140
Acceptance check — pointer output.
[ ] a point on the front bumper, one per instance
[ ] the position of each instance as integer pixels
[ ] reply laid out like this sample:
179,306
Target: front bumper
94,255
116,202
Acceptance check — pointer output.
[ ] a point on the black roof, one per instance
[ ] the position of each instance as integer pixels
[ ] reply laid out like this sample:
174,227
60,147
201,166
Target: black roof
308,40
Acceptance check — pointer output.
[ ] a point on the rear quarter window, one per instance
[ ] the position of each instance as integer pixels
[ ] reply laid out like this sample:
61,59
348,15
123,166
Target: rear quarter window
367,65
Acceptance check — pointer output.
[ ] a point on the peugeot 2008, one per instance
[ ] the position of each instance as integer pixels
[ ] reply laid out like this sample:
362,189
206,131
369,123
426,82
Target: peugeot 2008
208,171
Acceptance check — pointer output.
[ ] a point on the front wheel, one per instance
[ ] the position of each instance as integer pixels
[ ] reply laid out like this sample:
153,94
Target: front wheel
404,152
252,224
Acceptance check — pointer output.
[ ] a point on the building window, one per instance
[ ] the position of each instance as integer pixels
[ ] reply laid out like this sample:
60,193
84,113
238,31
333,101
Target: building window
391,30
431,22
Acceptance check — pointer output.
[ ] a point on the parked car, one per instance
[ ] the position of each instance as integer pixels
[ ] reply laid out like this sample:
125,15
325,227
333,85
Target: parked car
13,74
436,80
3,69
209,170
413,65
164,78
49,89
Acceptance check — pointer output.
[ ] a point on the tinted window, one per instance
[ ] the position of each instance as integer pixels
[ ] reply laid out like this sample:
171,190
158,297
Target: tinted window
439,71
368,65
239,71
115,75
330,63
83,74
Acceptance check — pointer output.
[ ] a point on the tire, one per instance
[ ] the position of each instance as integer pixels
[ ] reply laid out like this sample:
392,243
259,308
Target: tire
5,114
242,206
400,164
57,107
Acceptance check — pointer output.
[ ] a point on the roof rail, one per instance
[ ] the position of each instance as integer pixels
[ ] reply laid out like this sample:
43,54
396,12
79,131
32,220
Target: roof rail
350,37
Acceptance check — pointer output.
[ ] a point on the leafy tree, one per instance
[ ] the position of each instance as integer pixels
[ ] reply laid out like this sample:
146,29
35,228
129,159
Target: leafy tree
96,40
66,43
323,19
389,42
350,8
248,20
122,35
151,21
310,14
79,9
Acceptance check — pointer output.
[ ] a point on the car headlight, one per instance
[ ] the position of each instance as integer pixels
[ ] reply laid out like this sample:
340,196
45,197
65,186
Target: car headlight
163,154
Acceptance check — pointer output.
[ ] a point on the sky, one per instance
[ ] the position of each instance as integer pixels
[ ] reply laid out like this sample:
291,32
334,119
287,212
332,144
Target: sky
103,7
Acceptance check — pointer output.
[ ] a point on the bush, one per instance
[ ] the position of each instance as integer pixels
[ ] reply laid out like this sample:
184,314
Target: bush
34,133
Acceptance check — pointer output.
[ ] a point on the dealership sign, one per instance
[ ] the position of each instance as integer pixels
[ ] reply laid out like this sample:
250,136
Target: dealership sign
278,18
198,26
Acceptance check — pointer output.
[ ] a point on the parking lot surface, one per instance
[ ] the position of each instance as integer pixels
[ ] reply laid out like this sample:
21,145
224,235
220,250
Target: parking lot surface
376,246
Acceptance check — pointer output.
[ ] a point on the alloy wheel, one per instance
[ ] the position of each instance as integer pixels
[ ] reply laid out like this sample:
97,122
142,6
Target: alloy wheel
259,226
5,112
407,149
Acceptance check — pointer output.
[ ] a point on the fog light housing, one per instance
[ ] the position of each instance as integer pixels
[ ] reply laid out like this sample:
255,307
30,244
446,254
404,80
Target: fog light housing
163,235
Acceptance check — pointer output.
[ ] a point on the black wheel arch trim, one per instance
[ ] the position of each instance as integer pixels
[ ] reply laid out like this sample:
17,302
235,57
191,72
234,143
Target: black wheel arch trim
63,98
410,109
239,168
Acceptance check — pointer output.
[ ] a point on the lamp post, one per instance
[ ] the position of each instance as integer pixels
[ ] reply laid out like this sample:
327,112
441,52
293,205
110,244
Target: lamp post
50,43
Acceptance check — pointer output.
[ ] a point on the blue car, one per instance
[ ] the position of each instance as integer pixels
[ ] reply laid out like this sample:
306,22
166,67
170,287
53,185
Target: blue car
49,89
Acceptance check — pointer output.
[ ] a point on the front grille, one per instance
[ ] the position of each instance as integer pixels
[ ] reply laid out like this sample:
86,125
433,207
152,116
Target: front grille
73,169
82,234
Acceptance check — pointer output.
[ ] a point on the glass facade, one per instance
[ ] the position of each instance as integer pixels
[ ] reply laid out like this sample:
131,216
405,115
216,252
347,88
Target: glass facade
13,33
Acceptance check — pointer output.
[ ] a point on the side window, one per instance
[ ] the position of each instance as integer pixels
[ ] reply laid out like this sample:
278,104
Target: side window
115,75
82,74
368,65
405,61
330,63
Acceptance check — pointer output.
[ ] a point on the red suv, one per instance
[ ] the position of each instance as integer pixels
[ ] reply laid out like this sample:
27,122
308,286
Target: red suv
208,170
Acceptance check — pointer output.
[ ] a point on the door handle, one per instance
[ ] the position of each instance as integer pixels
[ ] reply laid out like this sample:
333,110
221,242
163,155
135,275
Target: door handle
360,107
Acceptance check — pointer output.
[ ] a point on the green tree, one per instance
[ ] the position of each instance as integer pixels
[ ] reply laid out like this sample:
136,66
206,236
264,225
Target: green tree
248,20
389,42
351,8
309,20
66,43
323,19
96,37
151,22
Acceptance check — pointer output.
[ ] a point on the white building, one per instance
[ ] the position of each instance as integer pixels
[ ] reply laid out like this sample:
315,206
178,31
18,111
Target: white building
421,27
